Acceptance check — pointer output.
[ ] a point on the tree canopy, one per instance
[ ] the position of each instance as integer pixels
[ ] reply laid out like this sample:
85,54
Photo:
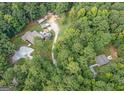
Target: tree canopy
86,31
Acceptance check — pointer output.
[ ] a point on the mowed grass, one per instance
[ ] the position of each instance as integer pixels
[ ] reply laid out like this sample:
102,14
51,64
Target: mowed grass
30,27
41,47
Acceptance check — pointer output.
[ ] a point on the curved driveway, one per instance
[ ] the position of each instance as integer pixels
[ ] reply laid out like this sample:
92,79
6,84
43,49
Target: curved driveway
55,28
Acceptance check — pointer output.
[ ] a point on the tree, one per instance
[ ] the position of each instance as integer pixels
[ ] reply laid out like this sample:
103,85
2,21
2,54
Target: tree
42,9
101,40
63,7
73,67
94,11
81,12
6,47
6,50
87,28
121,50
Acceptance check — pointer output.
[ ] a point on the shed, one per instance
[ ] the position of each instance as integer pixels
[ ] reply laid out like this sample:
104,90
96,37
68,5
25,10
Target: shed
29,36
45,25
101,60
41,20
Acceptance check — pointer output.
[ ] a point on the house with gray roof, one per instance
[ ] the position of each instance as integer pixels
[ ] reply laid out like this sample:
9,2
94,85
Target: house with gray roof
23,52
29,36
100,61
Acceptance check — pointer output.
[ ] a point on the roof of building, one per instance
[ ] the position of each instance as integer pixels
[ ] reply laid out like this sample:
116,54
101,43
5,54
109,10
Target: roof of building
46,35
41,20
45,25
22,53
29,36
102,60
5,89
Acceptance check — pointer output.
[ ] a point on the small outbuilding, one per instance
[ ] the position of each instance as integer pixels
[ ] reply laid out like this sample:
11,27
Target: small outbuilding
45,25
41,20
29,36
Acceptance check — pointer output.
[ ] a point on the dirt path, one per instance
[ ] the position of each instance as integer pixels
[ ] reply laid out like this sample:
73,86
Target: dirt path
55,27
113,52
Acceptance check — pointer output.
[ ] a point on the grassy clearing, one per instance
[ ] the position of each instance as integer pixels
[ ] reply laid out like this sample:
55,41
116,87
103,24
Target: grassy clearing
43,48
30,27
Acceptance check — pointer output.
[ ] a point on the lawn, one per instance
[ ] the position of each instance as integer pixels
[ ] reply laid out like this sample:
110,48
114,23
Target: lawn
30,27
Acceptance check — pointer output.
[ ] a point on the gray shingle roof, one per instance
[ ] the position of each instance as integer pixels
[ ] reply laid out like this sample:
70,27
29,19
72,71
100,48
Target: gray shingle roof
22,53
101,60
29,36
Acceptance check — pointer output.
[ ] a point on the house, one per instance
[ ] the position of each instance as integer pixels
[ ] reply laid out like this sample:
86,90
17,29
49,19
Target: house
29,36
101,60
23,52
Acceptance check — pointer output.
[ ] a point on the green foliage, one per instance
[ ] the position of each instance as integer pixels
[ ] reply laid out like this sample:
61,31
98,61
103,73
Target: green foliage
86,30
6,49
94,11
121,50
91,30
62,7
81,12
101,40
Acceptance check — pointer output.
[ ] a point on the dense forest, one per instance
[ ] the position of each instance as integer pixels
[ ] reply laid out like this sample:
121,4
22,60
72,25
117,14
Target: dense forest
88,29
